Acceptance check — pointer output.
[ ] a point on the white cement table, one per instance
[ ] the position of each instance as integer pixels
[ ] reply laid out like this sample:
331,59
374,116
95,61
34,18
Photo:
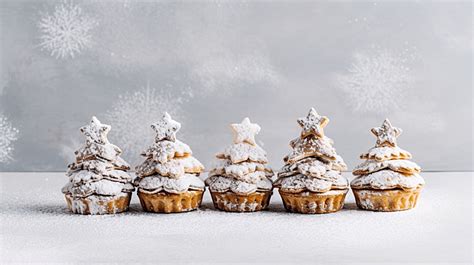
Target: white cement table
37,227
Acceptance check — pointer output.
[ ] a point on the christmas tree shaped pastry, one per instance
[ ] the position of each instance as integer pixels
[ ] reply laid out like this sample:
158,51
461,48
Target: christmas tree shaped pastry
98,179
241,181
387,180
168,180
311,180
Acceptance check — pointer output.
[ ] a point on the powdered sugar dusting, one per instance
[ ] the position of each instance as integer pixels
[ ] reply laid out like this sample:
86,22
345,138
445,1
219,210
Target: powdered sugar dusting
300,182
166,128
238,206
313,123
98,168
242,152
245,131
386,134
37,227
163,151
311,146
402,166
387,179
174,168
385,152
156,183
241,167
168,165
313,164
387,165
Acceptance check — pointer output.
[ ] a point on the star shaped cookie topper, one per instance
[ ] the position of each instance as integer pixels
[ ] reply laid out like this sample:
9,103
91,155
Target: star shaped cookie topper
313,124
245,131
166,128
386,134
96,131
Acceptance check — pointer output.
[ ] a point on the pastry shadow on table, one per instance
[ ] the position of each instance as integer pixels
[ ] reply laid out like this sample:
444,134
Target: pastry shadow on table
136,209
207,206
58,209
272,208
45,209
276,208
350,206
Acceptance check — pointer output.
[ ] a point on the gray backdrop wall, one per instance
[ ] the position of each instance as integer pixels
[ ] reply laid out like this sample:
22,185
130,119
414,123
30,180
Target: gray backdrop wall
213,63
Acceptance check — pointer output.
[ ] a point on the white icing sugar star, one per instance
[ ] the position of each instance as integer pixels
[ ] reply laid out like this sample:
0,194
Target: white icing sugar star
313,124
96,132
386,134
166,128
245,131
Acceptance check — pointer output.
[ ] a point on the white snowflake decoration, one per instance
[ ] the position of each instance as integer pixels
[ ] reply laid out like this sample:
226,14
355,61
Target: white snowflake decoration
376,82
133,113
67,31
8,135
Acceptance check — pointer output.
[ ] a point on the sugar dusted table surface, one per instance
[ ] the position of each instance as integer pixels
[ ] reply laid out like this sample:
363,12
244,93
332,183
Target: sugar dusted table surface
37,227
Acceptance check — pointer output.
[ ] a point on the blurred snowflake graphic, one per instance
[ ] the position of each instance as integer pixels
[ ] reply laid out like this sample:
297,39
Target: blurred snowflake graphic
132,114
376,81
8,135
228,70
67,31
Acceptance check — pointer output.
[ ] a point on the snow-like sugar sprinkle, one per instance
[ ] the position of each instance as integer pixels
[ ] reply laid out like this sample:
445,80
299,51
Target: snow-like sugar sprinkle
242,188
292,184
174,168
367,204
300,182
8,135
156,183
311,146
371,166
387,165
241,168
97,169
165,150
38,227
223,184
314,168
242,151
387,179
313,164
385,153
84,176
103,187
95,204
239,206
169,165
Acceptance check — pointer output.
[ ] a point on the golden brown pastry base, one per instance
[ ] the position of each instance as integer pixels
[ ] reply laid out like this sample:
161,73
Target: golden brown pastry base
312,202
386,200
97,204
232,202
165,202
